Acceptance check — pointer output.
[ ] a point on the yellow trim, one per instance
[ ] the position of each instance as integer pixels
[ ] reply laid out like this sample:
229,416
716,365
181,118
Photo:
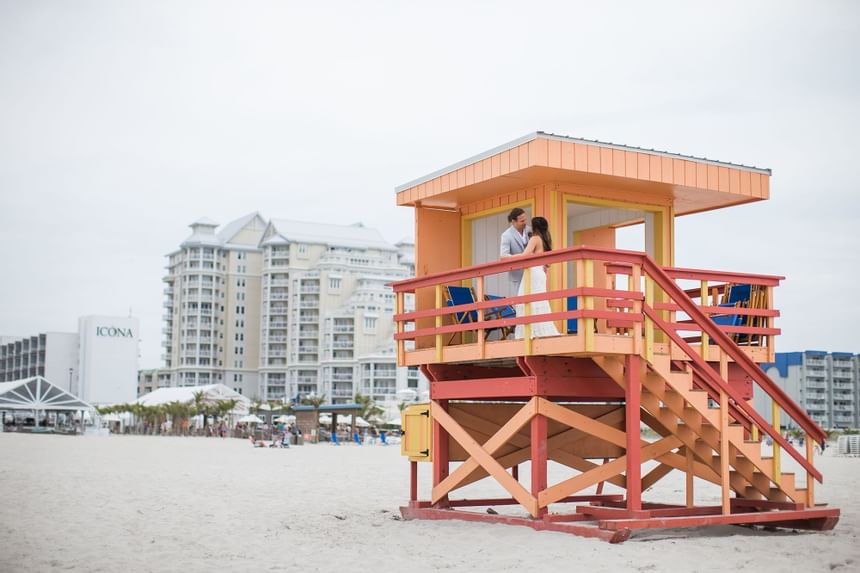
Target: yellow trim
466,226
777,470
588,304
439,303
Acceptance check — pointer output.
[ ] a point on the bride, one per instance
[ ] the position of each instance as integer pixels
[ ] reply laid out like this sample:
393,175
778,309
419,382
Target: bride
539,242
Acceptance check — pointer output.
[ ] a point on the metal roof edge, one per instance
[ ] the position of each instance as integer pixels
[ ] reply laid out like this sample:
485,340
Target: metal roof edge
470,160
542,134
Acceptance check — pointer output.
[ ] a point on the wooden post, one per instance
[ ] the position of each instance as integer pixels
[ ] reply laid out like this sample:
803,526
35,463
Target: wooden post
539,457
439,303
413,481
688,455
588,304
440,452
480,333
810,481
527,310
771,351
398,309
649,324
515,472
636,277
632,395
725,481
703,293
777,470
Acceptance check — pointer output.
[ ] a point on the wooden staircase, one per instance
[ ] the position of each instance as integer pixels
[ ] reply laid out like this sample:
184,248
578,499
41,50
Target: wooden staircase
673,406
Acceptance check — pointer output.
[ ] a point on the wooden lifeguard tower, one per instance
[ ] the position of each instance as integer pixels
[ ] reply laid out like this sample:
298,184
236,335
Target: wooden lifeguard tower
642,343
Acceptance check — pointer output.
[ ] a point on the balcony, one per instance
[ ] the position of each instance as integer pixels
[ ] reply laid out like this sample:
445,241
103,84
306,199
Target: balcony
309,289
279,282
347,345
279,310
309,304
344,329
306,380
277,353
279,296
385,374
276,338
309,318
278,324
308,349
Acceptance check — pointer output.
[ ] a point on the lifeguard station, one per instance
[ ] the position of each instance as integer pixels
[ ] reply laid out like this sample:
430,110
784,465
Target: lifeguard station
642,343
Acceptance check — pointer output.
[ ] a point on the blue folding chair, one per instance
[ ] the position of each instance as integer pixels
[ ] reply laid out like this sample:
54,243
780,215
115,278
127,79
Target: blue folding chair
457,295
738,296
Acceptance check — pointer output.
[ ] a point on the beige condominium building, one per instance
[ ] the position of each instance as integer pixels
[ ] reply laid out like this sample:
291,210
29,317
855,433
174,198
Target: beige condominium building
285,309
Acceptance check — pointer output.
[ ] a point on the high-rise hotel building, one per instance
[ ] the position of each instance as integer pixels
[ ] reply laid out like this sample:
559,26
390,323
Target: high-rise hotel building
285,309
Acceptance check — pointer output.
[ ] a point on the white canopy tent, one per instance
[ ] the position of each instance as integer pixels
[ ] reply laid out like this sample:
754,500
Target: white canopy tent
212,393
38,395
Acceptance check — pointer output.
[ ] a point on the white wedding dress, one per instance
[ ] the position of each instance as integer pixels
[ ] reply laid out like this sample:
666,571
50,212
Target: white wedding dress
538,284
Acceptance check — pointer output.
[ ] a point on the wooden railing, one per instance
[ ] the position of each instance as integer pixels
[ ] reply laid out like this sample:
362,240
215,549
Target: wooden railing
643,315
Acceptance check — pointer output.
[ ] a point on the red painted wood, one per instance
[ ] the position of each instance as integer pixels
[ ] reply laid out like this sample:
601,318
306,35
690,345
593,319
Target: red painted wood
512,501
413,481
633,395
441,462
601,512
734,518
485,388
515,472
539,457
766,504
615,536
441,372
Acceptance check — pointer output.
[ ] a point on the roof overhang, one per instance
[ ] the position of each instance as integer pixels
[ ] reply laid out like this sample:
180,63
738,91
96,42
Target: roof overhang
690,184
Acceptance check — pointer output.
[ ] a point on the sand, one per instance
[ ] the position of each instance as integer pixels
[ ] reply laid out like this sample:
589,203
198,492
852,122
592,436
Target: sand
136,504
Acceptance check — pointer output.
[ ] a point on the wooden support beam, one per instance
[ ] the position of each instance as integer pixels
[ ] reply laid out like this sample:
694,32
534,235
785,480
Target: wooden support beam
600,473
725,477
633,391
538,457
440,453
483,457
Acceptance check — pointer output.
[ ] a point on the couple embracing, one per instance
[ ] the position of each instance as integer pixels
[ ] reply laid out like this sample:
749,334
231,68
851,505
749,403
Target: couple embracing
517,240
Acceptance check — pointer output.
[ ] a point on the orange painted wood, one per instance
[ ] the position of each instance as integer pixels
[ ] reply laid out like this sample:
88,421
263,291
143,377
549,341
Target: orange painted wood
632,393
483,455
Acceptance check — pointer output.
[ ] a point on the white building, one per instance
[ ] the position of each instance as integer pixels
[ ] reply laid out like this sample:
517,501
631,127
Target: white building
285,309
827,385
98,363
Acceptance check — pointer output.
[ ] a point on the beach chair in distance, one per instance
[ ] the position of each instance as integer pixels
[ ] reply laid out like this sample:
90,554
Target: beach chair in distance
458,295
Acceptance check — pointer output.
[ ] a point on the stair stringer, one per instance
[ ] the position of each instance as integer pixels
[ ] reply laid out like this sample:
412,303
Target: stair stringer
700,431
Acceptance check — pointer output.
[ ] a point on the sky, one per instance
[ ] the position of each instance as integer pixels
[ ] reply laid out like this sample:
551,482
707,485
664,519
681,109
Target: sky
122,122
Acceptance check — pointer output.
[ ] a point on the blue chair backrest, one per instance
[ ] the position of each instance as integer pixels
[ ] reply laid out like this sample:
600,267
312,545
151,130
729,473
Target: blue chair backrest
506,311
462,295
571,322
739,293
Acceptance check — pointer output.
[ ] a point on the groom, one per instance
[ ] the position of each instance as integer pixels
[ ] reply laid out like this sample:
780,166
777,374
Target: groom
513,242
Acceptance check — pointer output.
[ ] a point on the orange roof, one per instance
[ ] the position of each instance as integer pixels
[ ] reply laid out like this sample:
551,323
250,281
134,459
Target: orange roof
693,184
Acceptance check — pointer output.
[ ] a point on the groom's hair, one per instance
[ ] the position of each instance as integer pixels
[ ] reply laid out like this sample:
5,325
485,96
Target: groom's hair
514,214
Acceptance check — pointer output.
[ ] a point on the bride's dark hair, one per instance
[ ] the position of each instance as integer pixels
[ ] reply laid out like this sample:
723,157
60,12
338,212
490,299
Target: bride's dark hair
540,227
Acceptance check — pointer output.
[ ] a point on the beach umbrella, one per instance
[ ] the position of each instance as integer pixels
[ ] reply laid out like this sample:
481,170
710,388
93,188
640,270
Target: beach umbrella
250,419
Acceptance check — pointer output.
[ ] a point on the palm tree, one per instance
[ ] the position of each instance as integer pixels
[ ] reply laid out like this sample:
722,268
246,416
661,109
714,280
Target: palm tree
369,410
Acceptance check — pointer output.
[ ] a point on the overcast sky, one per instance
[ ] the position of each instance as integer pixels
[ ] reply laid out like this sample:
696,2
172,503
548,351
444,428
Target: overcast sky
122,122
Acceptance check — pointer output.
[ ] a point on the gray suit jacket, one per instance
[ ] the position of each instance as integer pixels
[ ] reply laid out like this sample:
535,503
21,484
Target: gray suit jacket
512,243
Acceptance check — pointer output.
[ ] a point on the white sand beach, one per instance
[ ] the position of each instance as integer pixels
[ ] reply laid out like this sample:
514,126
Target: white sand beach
138,504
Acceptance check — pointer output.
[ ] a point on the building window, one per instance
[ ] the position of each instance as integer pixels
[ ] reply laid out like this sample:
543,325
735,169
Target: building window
303,249
334,283
369,322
